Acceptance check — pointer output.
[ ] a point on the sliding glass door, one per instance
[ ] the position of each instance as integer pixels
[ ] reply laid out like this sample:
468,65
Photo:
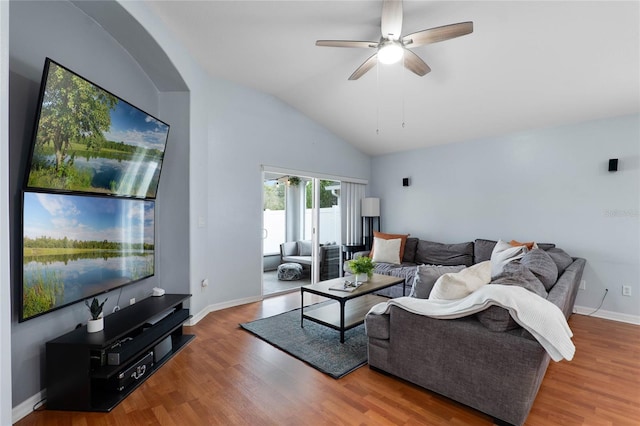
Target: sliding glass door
299,208
323,209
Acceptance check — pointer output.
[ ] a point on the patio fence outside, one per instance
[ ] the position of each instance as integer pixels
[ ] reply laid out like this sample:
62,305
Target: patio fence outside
274,224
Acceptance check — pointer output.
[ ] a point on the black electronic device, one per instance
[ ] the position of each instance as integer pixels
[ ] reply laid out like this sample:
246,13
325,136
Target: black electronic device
613,164
125,348
405,181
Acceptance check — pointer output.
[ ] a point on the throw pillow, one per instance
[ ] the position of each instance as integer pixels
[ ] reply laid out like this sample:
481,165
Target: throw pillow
383,236
482,250
456,285
410,247
561,258
530,245
514,273
497,318
304,248
542,266
387,251
426,277
504,253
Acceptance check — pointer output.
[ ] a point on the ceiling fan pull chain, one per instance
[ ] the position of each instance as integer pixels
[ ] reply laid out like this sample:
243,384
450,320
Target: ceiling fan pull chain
378,100
402,86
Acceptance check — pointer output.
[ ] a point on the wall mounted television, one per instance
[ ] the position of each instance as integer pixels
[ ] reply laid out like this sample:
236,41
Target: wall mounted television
88,140
78,246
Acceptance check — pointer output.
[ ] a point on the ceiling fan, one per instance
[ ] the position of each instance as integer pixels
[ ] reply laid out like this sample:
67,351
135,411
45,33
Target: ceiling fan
392,46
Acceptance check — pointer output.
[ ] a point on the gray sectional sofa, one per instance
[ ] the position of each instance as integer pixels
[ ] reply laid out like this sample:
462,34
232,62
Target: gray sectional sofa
485,361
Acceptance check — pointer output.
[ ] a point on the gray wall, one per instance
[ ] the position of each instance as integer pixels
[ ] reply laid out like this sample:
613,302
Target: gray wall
248,129
61,31
5,281
547,185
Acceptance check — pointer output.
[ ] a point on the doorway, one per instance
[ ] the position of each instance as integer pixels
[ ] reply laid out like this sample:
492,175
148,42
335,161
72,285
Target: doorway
300,210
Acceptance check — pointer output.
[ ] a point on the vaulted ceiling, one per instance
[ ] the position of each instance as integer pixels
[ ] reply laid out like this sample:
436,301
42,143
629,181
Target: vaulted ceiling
526,65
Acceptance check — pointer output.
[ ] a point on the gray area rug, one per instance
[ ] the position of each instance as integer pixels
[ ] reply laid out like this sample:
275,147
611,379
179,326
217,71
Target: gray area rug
317,345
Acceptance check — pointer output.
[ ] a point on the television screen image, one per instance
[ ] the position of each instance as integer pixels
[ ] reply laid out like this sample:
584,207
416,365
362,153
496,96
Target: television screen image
88,140
75,247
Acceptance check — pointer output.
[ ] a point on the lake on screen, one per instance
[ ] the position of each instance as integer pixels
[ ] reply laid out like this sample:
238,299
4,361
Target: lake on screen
84,274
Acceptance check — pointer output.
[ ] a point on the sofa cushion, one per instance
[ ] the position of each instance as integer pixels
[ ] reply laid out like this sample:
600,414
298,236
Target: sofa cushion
304,248
385,236
426,276
410,247
289,248
482,250
503,253
561,259
432,253
456,285
387,251
542,266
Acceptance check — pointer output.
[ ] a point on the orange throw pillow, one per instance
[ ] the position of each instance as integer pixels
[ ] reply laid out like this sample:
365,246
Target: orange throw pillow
403,238
515,243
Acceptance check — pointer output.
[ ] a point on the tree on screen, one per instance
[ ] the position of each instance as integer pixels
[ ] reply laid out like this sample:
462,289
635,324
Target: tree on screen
73,111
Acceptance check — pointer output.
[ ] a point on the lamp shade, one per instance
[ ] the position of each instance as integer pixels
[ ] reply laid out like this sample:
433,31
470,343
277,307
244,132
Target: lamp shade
371,207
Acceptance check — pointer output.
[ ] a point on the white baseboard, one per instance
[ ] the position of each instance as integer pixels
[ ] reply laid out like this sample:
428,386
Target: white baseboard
614,316
26,407
218,306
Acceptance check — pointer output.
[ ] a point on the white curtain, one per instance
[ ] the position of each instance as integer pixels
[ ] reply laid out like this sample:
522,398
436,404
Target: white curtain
350,196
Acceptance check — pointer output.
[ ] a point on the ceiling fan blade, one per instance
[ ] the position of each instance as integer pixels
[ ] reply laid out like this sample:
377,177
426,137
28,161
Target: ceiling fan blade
413,63
391,26
434,35
366,66
346,43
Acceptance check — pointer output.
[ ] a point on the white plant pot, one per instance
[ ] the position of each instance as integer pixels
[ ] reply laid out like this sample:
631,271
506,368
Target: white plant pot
94,326
362,278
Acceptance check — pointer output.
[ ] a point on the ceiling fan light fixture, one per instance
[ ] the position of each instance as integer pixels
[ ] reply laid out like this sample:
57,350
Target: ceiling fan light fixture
390,52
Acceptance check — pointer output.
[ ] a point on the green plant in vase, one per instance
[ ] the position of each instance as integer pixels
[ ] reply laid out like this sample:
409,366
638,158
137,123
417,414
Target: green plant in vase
95,308
361,266
96,322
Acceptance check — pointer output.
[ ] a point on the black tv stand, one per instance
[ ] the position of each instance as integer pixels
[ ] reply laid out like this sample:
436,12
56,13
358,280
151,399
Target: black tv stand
79,372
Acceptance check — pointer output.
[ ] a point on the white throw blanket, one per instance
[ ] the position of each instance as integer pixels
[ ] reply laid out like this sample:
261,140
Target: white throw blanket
544,320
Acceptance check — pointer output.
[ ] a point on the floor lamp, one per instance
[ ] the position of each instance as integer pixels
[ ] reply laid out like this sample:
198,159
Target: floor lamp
370,209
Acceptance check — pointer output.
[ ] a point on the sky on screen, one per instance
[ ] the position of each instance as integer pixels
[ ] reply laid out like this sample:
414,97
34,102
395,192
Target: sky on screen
87,218
134,127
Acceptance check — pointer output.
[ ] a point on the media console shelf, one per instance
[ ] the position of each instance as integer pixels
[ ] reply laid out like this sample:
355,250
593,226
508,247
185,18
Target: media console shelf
96,371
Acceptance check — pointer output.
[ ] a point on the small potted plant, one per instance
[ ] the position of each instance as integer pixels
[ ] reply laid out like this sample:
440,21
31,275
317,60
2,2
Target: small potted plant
96,322
293,180
362,268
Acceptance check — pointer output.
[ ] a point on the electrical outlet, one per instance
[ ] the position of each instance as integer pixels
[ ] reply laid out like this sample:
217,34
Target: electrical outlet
132,300
583,285
626,290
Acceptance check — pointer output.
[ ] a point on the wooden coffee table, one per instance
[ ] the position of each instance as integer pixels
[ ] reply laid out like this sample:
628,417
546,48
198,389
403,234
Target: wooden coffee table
342,316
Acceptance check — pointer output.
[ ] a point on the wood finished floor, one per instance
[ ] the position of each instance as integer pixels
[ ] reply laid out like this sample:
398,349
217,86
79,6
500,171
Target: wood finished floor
227,376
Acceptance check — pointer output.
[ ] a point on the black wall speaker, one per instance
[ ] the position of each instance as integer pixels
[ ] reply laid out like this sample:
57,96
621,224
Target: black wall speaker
405,181
613,165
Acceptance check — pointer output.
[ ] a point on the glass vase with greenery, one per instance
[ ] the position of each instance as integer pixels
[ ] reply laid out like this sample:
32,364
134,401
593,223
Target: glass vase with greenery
361,265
